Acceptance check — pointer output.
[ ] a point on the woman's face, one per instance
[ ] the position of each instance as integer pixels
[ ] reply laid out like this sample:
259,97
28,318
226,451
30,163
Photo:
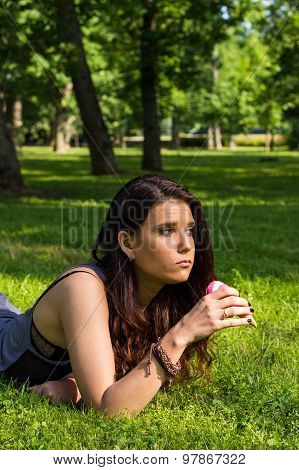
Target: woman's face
166,238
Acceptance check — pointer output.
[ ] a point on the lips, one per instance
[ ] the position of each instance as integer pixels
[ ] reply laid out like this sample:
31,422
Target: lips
184,261
184,264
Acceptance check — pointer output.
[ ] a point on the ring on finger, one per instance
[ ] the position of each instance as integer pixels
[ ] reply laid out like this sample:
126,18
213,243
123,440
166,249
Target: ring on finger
224,314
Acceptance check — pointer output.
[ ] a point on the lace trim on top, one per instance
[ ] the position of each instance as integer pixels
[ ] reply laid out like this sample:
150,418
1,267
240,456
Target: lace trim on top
45,348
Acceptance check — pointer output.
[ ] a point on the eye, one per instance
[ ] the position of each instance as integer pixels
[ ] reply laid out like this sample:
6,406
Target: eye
192,230
162,231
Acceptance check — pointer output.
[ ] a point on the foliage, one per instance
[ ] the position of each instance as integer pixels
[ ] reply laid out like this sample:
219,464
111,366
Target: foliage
256,44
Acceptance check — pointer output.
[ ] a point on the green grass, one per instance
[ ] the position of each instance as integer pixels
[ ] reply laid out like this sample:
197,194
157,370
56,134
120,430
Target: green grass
252,211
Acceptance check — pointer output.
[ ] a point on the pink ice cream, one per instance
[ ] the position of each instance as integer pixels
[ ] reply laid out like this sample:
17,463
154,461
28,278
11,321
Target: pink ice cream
213,286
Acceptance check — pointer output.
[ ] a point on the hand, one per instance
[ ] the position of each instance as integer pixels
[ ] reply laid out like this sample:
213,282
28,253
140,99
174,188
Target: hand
206,317
64,390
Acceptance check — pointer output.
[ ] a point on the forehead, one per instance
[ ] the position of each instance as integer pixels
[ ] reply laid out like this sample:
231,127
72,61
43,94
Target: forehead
169,211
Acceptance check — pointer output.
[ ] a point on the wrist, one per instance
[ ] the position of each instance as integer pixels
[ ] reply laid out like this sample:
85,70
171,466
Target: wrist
174,342
179,334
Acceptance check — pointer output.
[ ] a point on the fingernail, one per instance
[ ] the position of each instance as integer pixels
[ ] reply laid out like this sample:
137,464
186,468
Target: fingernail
252,309
249,320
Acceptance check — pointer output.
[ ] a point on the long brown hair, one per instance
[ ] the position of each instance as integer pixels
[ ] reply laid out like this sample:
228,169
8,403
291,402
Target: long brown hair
132,328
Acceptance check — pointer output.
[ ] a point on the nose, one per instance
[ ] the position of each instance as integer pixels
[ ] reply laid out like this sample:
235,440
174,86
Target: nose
185,241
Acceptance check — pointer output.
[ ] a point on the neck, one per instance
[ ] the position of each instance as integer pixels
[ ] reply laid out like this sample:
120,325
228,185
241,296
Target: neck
147,287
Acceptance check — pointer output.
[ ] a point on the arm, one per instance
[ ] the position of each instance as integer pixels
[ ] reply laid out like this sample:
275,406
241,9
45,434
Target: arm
62,390
133,391
71,388
89,344
84,315
136,389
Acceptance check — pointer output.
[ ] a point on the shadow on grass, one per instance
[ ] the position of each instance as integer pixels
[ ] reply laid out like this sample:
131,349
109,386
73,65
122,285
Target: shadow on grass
258,232
213,175
258,239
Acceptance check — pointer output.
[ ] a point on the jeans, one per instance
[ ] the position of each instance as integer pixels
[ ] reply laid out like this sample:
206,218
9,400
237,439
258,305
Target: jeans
5,304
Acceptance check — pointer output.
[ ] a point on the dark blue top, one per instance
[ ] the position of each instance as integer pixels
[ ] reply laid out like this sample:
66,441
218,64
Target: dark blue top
15,327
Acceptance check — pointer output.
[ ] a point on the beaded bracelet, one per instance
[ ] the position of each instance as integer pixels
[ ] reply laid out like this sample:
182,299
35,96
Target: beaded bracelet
171,368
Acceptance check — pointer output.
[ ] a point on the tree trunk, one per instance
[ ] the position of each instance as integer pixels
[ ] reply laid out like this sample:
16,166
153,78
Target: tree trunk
16,120
148,51
175,139
231,142
59,138
122,141
69,130
2,103
210,138
217,137
271,145
215,75
77,141
98,139
62,124
10,172
267,141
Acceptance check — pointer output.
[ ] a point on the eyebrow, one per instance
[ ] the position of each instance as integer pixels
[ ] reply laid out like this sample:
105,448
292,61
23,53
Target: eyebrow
174,224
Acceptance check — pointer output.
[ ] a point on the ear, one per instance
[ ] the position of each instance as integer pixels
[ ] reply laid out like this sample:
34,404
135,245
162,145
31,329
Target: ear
125,243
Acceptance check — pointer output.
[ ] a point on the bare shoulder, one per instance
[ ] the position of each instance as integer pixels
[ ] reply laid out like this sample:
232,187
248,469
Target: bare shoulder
84,316
84,287
80,274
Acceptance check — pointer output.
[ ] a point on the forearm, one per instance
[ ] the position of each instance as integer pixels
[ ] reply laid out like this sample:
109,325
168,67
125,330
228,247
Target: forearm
73,385
136,389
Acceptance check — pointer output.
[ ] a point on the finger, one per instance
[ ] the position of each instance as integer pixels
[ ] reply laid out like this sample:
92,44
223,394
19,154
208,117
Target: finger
224,291
233,300
37,389
232,322
239,311
235,311
253,323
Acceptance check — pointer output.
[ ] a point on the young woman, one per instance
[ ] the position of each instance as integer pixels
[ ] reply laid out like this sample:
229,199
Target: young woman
91,334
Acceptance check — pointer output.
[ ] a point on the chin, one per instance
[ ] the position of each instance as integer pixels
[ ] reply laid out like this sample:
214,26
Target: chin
178,277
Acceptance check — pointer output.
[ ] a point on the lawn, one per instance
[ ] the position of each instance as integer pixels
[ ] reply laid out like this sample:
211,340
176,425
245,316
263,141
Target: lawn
252,211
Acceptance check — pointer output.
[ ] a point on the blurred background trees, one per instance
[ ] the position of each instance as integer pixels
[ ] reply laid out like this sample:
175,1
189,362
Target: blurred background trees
158,72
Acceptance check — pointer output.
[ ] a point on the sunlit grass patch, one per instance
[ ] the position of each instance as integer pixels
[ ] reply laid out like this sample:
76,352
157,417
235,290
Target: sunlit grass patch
252,211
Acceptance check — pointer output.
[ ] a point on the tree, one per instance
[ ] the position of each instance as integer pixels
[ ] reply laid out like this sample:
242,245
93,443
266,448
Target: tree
283,23
137,34
148,52
10,172
62,131
10,51
190,58
102,156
